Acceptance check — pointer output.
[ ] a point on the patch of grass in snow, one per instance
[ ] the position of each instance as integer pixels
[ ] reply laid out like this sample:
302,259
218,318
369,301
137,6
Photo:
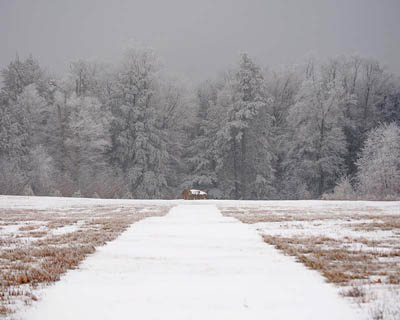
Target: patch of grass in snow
354,292
32,255
386,223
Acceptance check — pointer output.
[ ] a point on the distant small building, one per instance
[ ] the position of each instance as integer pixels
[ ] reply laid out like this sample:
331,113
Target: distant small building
194,194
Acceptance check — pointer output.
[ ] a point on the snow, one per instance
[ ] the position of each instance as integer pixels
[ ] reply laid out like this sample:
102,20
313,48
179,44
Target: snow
69,228
12,228
191,264
41,203
45,203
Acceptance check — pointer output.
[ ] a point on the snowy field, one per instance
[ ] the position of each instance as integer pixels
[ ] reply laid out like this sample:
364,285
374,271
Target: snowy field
196,263
42,238
353,245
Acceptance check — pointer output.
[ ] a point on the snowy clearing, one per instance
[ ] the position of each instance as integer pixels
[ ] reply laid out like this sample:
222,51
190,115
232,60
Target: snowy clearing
195,263
191,264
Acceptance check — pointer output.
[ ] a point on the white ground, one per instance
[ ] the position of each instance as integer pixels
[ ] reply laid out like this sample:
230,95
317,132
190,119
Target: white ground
192,264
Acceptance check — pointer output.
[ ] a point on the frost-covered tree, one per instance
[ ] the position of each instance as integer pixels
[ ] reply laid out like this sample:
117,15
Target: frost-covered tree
36,111
14,132
373,90
389,108
138,147
20,74
201,149
40,168
245,159
174,109
379,163
14,146
23,115
282,85
133,130
87,141
318,148
89,78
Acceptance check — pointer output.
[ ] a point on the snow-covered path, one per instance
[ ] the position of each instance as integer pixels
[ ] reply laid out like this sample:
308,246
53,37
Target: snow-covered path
191,264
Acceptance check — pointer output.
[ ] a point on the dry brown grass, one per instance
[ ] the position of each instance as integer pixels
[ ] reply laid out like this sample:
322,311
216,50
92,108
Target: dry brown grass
337,265
27,265
386,223
28,228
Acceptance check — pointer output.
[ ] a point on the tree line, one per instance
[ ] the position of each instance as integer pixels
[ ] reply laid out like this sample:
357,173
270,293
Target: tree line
132,130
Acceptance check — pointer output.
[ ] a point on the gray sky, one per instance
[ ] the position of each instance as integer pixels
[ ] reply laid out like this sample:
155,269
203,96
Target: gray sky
199,38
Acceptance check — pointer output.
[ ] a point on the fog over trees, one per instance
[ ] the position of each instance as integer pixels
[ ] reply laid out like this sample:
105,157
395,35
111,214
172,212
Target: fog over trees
133,130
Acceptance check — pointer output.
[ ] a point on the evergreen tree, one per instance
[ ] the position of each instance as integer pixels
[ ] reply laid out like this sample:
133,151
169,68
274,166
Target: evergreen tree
245,164
201,152
138,147
14,145
20,74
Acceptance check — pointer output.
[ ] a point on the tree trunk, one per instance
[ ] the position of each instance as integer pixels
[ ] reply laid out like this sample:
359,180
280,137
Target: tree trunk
319,156
235,175
63,138
243,167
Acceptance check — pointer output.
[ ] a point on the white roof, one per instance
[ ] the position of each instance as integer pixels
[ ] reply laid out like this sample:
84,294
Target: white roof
195,191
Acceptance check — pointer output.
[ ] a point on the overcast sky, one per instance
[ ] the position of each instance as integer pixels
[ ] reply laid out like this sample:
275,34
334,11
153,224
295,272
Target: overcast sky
199,38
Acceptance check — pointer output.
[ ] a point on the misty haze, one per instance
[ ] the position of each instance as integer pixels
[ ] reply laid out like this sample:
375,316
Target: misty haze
110,108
